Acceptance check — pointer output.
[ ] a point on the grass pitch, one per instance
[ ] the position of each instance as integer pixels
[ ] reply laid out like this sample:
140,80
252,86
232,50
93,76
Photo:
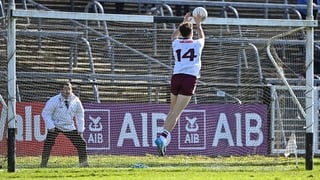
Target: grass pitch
164,168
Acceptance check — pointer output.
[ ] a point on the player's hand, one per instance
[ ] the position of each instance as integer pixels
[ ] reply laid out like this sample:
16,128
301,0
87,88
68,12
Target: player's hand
187,17
198,19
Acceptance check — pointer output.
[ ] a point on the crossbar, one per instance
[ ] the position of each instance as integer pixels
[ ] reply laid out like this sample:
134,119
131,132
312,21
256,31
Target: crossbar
154,19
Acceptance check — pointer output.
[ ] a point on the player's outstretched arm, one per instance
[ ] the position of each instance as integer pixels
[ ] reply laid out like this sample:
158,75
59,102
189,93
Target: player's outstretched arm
198,20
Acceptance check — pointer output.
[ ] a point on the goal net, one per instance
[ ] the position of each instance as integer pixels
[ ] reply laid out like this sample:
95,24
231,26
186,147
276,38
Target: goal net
121,68
287,52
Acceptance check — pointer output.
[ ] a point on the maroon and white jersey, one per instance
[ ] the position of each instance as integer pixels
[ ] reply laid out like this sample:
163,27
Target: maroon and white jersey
187,54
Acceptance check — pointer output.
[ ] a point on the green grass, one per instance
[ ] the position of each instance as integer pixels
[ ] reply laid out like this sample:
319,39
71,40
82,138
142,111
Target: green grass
164,168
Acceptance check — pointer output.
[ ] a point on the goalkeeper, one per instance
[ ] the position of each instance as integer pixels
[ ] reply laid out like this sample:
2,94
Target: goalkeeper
58,114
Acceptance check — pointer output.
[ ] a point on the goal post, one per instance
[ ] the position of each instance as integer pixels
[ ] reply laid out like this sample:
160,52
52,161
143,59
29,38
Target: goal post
11,117
309,147
206,83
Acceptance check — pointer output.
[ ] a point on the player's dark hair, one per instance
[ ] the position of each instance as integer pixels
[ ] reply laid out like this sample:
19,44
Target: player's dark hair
65,83
185,29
